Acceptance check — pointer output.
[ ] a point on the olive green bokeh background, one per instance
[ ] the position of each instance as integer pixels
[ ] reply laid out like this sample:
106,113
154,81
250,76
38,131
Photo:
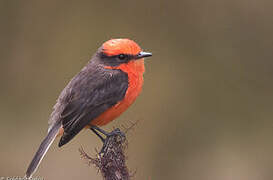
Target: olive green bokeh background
206,107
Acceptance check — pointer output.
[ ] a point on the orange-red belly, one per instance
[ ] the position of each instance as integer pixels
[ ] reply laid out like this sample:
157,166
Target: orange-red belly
135,71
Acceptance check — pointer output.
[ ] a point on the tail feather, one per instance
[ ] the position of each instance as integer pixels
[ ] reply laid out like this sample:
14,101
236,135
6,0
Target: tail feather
46,143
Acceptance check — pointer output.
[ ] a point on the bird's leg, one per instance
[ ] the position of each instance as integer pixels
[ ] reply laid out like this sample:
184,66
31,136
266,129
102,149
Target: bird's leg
102,139
115,132
100,130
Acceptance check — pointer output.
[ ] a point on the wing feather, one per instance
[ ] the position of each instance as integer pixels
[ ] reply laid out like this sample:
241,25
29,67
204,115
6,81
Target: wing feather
85,98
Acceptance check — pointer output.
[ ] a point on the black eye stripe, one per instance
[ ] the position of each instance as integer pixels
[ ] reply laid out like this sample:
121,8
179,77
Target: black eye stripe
123,56
126,56
116,59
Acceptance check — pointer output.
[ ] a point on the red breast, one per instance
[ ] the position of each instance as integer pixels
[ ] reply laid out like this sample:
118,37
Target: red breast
135,70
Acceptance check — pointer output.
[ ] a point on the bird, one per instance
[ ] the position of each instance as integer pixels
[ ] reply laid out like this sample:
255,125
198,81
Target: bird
104,88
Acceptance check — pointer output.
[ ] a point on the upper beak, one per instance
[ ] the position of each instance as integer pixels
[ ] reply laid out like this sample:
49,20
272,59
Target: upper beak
143,54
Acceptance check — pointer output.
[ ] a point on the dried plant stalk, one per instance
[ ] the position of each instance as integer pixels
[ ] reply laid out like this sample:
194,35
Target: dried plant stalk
112,163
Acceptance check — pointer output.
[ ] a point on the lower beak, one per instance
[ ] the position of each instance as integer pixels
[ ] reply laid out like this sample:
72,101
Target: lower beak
143,55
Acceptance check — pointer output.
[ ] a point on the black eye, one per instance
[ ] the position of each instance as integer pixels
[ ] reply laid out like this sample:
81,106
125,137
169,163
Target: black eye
121,56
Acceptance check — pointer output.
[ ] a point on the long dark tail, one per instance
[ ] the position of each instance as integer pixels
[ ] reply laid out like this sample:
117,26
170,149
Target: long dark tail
43,149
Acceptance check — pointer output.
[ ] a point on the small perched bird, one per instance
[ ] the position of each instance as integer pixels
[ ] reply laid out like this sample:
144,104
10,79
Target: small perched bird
99,93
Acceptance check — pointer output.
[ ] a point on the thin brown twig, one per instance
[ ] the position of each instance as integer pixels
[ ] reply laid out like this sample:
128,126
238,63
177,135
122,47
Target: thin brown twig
112,163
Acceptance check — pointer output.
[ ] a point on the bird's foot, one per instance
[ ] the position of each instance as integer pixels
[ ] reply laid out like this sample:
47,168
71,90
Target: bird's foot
116,132
113,134
108,137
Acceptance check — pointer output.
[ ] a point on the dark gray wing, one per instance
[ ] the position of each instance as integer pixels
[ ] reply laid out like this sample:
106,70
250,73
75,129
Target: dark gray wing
87,96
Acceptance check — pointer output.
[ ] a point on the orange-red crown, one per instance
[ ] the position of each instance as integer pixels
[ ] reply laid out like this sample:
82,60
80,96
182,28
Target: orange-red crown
120,46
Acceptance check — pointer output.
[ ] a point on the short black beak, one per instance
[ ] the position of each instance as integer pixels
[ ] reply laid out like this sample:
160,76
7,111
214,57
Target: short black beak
143,55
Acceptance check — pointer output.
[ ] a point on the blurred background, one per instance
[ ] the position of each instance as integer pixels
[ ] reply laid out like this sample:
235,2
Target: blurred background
205,112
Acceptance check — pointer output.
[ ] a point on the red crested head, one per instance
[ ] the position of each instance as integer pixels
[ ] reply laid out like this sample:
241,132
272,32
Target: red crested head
120,46
122,53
